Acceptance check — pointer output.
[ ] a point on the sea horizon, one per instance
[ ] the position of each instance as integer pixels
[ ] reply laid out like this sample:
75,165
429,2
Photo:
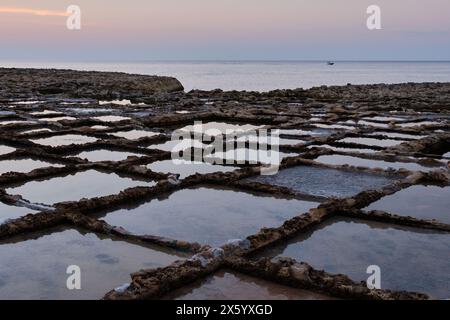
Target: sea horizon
262,76
7,60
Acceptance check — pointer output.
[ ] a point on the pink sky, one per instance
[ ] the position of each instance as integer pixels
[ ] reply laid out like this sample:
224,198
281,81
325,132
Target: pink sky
228,29
32,11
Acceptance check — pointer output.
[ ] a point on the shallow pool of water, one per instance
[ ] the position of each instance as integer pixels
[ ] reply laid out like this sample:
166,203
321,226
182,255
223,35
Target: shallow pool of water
397,135
64,140
342,149
99,127
36,131
269,140
370,163
373,124
410,259
6,150
135,134
124,102
216,128
299,132
384,118
24,165
324,182
417,124
106,155
58,119
4,123
6,113
88,110
30,102
87,184
12,212
187,168
111,118
334,126
242,155
35,267
178,145
372,142
227,285
72,101
423,202
45,112
207,215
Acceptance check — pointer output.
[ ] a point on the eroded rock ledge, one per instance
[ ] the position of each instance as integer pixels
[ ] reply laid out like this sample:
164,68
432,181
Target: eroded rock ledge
86,84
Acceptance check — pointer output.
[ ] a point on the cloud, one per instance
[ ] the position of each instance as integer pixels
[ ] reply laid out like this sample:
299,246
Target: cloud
35,12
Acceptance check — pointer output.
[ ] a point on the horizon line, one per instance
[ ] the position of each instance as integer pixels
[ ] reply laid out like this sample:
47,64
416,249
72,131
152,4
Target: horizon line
217,60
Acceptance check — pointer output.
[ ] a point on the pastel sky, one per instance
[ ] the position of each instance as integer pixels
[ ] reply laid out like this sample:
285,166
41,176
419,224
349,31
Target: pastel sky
225,30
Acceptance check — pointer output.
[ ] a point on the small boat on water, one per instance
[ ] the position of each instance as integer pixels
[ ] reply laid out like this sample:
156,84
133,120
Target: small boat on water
330,63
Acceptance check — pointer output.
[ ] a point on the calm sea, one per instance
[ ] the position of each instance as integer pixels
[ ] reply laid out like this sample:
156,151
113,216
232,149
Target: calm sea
263,76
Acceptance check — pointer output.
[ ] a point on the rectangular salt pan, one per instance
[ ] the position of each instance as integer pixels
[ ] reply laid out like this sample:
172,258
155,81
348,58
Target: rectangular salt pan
64,140
268,140
385,118
226,285
8,212
422,202
372,142
45,112
24,165
106,155
34,267
5,150
178,145
410,259
215,128
371,163
206,215
341,149
134,134
36,131
87,184
187,168
419,124
111,118
58,119
4,123
252,156
397,135
299,132
324,182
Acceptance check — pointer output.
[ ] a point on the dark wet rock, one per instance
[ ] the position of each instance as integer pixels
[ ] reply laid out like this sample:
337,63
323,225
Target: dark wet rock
302,275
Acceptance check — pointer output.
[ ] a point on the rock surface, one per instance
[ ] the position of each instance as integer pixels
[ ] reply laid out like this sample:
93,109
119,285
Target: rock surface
86,84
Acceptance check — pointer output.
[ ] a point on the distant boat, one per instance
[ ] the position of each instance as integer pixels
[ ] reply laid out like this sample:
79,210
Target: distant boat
330,63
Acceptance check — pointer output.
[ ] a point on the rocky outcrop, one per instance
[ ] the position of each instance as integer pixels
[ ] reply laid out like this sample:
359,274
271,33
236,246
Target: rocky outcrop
86,84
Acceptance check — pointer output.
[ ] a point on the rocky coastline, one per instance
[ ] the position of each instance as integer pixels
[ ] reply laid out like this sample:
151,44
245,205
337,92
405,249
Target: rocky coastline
322,122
